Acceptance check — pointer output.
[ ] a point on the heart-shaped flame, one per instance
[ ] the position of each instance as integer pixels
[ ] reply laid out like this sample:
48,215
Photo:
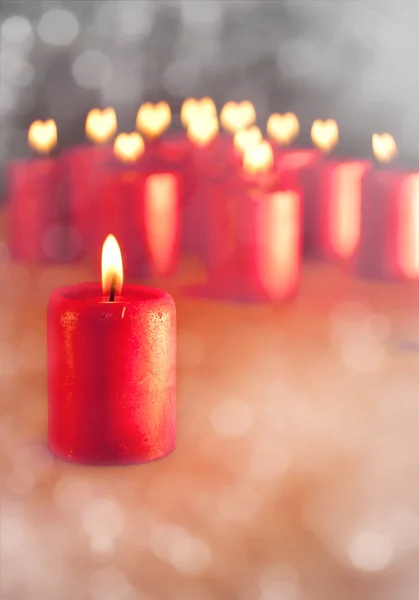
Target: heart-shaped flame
202,131
259,158
325,134
246,138
283,128
153,119
193,108
42,136
101,125
384,147
237,115
128,147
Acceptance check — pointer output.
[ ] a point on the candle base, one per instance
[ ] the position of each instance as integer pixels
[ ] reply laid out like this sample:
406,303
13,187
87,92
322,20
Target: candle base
117,460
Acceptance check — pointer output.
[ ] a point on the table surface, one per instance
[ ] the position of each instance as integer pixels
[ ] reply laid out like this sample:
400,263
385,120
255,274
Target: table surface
296,470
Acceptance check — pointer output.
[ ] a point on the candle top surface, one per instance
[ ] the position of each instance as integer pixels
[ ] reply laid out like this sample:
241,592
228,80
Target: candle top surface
92,293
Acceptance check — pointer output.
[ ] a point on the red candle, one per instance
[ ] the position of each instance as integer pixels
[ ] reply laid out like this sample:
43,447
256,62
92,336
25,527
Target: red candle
255,227
36,197
340,207
111,370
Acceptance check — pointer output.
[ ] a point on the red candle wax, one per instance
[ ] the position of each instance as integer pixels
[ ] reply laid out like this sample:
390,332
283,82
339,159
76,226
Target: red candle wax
311,181
340,205
111,374
38,218
389,227
82,166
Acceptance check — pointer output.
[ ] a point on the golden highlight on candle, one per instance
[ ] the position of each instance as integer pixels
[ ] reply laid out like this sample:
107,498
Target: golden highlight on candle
112,270
193,108
283,129
246,138
325,134
258,159
42,136
128,147
384,147
101,125
237,115
153,119
202,131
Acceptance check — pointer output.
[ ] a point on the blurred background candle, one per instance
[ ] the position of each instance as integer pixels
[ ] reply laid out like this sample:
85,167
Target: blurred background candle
36,197
237,115
283,129
81,164
380,252
119,205
325,137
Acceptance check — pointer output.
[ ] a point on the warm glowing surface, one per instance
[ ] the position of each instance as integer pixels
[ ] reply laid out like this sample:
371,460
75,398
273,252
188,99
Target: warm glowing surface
154,119
296,159
237,115
111,266
384,147
193,108
246,138
101,125
325,134
283,128
258,159
161,213
279,259
203,129
408,227
344,208
128,147
42,136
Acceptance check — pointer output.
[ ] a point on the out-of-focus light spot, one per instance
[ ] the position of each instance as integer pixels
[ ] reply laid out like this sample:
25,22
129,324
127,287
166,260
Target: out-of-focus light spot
58,27
182,76
16,29
280,590
110,584
7,99
231,418
403,529
92,69
370,551
184,552
21,482
135,19
52,241
103,520
279,572
238,503
72,494
377,325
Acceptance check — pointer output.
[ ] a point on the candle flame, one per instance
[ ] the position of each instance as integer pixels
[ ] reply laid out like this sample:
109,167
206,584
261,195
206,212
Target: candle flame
193,108
42,136
283,129
153,119
246,138
325,134
101,125
128,147
237,115
112,269
201,131
384,147
259,158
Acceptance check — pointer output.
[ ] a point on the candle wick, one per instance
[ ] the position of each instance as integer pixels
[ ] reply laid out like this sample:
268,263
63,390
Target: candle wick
112,290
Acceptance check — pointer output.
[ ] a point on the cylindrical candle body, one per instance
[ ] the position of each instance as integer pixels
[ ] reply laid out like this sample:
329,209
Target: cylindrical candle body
38,214
311,182
82,165
340,227
111,374
376,255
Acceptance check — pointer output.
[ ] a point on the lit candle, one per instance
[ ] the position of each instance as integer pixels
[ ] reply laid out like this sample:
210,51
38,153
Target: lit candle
389,230
82,164
325,137
197,109
254,233
283,129
153,119
38,224
118,205
237,115
111,369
